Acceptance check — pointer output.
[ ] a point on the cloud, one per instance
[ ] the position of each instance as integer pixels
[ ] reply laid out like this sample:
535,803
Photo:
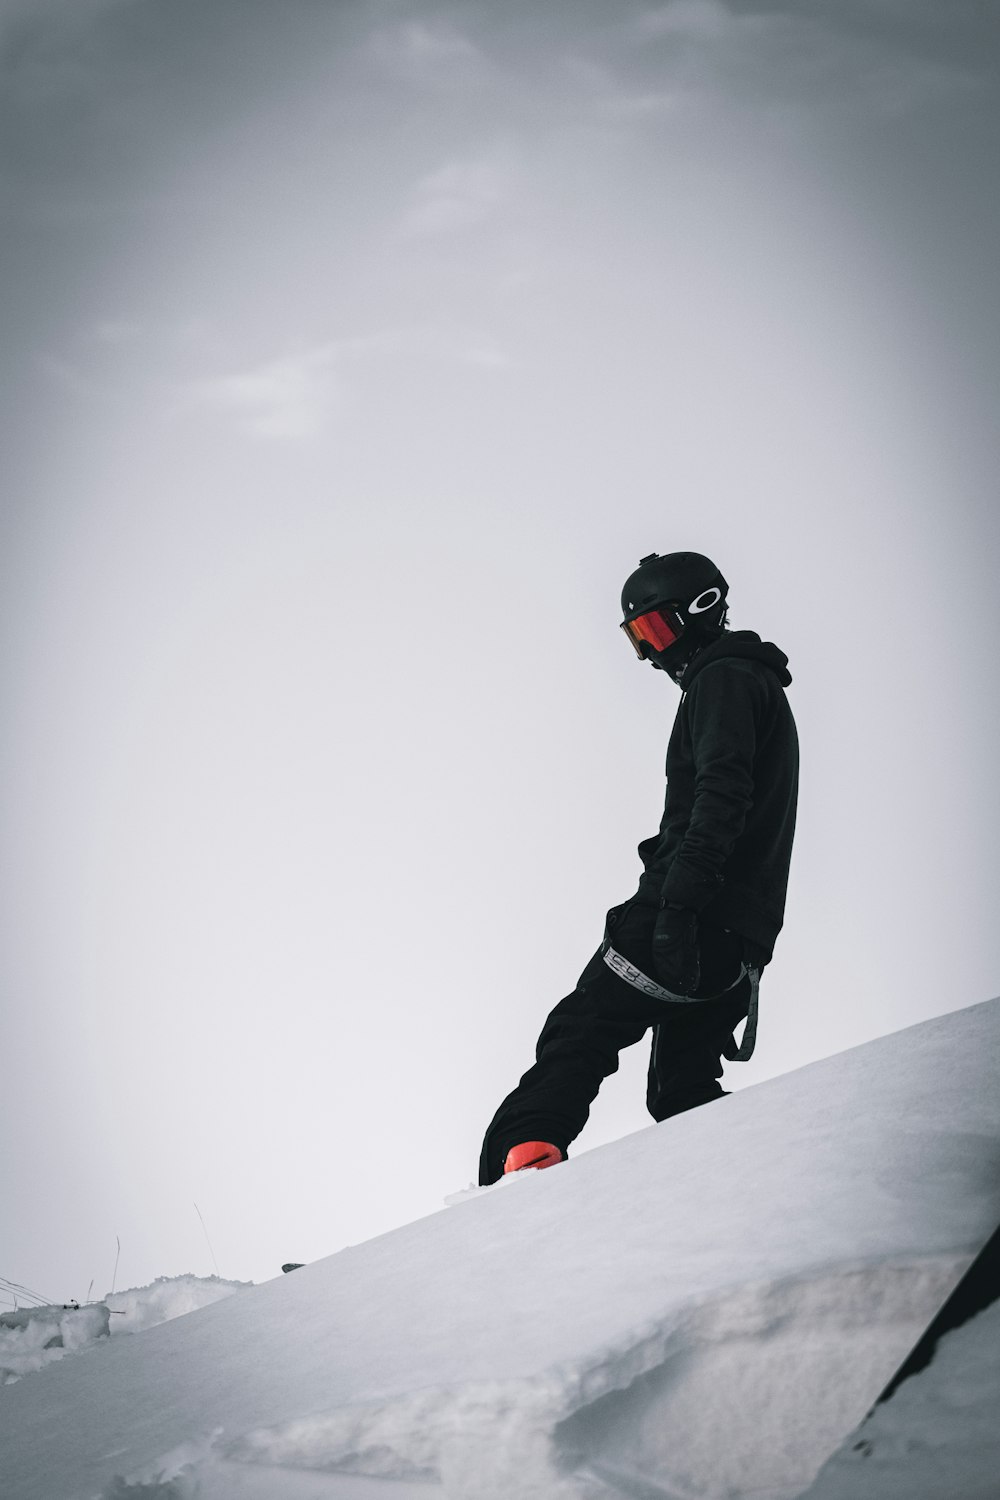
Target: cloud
458,195
124,366
434,42
453,343
691,52
117,331
288,398
428,52
67,377
79,12
701,19
487,357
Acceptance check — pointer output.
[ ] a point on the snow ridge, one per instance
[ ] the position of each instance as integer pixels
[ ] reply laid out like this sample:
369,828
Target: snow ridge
630,1411
34,1337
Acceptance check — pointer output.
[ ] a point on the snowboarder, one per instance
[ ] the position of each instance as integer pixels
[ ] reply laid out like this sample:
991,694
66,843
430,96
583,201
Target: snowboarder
684,954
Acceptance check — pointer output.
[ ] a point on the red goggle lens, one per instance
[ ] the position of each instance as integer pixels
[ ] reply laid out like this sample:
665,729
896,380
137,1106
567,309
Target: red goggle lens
658,628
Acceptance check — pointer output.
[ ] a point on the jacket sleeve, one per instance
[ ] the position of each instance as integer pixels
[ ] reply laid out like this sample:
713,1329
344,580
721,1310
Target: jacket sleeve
725,705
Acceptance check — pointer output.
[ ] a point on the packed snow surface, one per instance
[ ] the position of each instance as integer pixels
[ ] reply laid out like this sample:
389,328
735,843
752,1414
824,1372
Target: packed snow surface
707,1308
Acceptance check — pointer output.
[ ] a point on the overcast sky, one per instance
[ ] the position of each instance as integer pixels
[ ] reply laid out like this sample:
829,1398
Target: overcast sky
353,354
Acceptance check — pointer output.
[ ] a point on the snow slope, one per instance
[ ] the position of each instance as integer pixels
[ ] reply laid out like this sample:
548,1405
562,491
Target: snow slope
706,1308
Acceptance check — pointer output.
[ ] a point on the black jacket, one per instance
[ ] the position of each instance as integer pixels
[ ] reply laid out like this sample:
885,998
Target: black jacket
725,840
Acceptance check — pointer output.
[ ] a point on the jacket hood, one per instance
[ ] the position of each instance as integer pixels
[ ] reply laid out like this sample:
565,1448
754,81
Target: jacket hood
745,643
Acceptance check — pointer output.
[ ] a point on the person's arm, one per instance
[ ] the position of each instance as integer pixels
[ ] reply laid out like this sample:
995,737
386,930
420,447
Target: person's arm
725,704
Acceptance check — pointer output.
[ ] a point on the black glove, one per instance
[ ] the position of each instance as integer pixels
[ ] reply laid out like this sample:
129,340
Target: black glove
676,958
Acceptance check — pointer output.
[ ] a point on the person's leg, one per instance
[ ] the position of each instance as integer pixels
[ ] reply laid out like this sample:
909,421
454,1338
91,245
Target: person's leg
577,1049
686,1056
686,1059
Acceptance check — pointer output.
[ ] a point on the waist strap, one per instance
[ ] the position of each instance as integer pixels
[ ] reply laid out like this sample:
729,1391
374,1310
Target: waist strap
639,981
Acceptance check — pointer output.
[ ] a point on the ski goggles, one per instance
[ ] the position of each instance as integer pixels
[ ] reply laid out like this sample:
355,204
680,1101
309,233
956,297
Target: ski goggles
659,628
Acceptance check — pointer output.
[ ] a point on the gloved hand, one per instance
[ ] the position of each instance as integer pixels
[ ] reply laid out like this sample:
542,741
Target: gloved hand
676,958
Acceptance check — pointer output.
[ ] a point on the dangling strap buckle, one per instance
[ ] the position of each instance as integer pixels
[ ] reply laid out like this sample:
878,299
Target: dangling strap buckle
743,1051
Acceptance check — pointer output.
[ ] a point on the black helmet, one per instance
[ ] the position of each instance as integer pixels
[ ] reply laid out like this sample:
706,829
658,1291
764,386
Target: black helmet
673,606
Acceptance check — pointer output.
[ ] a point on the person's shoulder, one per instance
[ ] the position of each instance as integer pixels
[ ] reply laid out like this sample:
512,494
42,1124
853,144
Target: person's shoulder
732,669
744,652
734,684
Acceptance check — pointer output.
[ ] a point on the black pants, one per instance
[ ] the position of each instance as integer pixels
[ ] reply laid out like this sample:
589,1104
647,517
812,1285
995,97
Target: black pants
581,1039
